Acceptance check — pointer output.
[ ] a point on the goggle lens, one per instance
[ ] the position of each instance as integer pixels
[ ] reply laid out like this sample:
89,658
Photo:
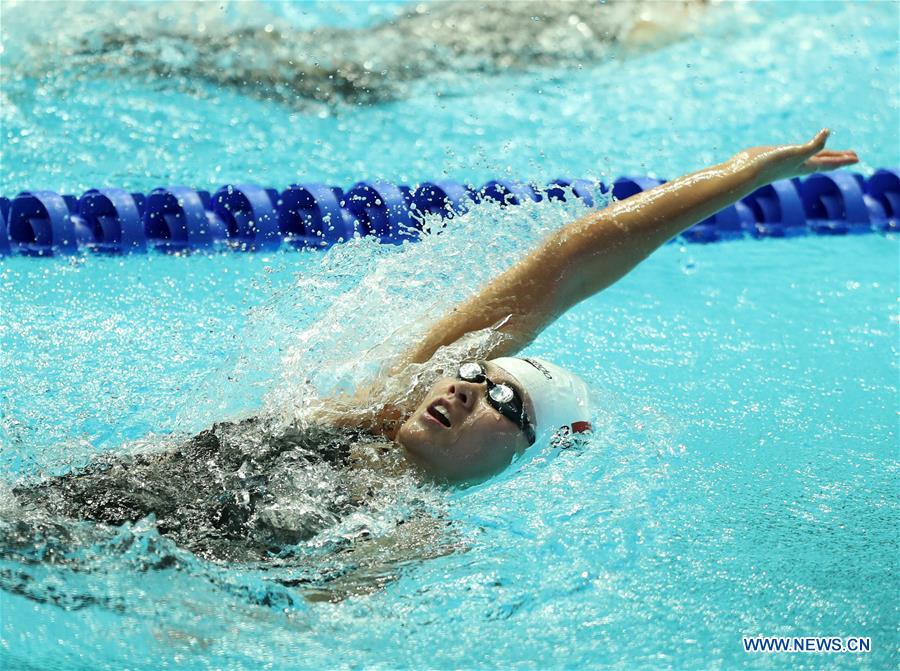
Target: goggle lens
471,372
501,393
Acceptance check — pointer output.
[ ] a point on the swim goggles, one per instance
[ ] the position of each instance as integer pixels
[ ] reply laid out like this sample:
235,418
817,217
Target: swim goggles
500,396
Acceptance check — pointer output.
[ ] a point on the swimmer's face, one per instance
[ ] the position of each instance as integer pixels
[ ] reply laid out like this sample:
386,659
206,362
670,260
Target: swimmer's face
478,442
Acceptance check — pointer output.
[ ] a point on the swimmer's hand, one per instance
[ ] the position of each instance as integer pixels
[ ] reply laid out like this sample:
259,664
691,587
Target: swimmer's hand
770,164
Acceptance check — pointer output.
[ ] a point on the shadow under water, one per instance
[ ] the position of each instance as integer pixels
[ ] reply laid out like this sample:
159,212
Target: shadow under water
270,59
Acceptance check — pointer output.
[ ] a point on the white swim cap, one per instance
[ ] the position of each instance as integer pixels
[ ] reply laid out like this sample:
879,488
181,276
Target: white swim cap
560,398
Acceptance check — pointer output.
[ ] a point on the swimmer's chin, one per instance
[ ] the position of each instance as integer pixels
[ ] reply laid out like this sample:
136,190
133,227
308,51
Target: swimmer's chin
429,462
426,472
414,447
418,452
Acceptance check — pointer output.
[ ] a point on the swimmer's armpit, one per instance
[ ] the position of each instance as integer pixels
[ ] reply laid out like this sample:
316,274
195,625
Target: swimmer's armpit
378,562
370,408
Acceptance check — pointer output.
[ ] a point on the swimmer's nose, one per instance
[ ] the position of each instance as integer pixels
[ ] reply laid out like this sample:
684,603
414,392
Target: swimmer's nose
464,392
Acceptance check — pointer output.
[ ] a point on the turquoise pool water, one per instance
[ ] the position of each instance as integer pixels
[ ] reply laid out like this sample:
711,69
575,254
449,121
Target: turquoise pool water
743,479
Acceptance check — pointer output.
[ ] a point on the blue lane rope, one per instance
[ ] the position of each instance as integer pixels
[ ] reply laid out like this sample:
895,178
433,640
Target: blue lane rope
251,217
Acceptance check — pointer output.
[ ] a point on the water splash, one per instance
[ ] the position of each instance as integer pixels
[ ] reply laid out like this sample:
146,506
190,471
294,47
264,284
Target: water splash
382,302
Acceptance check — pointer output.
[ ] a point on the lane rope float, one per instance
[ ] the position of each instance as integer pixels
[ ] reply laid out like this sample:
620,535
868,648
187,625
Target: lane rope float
250,217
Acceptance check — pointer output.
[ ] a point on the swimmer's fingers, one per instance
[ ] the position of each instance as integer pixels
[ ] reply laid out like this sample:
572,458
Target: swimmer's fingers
801,152
829,160
818,159
792,160
817,144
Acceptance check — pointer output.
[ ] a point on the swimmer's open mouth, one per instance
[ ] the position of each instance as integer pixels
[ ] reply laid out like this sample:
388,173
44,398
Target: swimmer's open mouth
439,413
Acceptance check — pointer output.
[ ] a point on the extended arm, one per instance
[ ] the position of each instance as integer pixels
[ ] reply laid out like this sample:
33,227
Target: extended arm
593,252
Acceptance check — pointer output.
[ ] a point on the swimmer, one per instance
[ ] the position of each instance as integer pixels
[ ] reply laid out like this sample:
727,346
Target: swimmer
221,495
475,423
371,64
